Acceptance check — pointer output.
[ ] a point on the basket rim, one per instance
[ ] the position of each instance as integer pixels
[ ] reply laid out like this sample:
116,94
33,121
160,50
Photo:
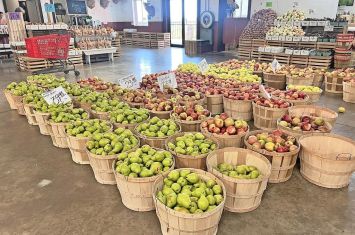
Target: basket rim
237,101
235,180
185,215
265,152
327,124
200,156
188,122
254,103
316,107
307,92
222,136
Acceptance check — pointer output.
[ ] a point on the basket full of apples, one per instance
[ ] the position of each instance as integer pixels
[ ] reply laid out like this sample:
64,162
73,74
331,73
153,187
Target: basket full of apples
190,97
228,131
292,96
280,148
302,125
313,92
189,117
159,107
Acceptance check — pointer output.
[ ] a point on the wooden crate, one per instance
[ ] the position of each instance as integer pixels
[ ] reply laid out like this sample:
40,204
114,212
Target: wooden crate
274,43
266,57
153,36
128,42
32,64
282,58
290,44
76,59
157,44
308,44
163,36
135,35
299,60
127,34
258,43
320,61
325,45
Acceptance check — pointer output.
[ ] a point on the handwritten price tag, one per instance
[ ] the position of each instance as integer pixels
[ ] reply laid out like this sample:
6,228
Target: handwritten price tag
167,80
56,96
203,66
264,93
275,65
129,82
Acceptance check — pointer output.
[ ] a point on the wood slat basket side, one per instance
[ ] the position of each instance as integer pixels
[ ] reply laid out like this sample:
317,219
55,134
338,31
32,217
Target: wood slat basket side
187,161
238,109
42,118
77,147
313,96
299,133
10,99
177,223
266,118
277,81
243,195
311,110
327,160
135,105
136,193
20,106
102,167
226,140
304,81
282,164
58,135
155,142
29,112
160,114
86,106
215,103
100,115
349,92
334,85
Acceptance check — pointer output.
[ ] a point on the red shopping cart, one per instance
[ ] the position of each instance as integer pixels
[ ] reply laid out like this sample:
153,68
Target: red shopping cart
54,48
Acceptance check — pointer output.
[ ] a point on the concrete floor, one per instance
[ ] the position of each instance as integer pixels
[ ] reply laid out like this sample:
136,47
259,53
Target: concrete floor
74,203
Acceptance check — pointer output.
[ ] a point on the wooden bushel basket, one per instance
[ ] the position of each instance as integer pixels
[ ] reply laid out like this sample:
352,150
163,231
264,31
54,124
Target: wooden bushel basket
297,102
313,96
277,81
20,106
266,118
349,92
201,102
160,114
126,126
41,119
85,105
135,105
215,103
243,195
282,164
187,126
311,110
30,114
318,79
238,109
100,115
299,133
225,141
299,80
327,160
155,142
10,99
177,223
136,193
334,85
58,135
187,161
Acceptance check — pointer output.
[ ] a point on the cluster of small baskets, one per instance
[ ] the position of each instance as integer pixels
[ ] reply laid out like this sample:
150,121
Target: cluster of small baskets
327,160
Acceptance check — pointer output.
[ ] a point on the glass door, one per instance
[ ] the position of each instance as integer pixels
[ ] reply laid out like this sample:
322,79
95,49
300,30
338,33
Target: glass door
190,15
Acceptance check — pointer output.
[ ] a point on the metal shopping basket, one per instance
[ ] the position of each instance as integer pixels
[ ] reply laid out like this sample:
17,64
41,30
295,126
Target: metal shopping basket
54,48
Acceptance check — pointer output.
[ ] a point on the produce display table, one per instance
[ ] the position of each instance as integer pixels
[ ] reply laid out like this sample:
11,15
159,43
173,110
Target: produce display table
89,53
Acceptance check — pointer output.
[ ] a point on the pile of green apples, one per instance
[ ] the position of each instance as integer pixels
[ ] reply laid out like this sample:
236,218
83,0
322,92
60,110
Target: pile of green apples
157,127
306,89
111,143
21,88
74,89
43,107
144,162
107,105
92,97
46,80
68,115
33,98
192,144
188,68
128,115
87,128
239,172
184,191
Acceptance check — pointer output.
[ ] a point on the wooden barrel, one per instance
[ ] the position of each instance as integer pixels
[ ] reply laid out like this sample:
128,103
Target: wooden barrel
282,164
334,85
10,99
243,195
41,119
29,112
349,92
227,140
183,161
174,222
327,160
100,115
238,109
215,103
266,118
137,193
58,135
311,110
299,133
299,80
77,147
318,79
277,81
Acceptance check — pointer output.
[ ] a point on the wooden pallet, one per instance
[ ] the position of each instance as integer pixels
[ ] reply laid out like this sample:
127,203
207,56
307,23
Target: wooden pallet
245,43
325,45
153,36
308,44
266,57
299,60
31,64
282,58
135,35
127,34
290,44
157,44
244,55
274,43
128,42
258,42
320,61
254,55
163,36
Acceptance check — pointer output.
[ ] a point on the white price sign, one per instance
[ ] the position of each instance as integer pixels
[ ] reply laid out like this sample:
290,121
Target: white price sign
329,28
128,82
264,93
168,80
56,96
203,66
275,65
